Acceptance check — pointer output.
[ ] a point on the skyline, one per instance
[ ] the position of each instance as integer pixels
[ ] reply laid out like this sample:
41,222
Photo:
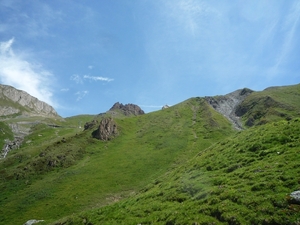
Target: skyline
81,58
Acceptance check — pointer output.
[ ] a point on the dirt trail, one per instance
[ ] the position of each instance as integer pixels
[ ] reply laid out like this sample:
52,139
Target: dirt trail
226,105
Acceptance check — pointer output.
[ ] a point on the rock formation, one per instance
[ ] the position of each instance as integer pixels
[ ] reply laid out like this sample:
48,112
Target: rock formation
106,130
227,105
19,102
295,197
11,145
165,107
127,109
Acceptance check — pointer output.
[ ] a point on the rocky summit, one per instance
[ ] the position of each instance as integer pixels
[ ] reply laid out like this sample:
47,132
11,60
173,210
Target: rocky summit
18,102
127,109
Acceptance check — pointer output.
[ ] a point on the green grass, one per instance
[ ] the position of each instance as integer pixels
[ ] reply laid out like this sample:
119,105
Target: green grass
272,104
181,165
244,179
5,133
52,177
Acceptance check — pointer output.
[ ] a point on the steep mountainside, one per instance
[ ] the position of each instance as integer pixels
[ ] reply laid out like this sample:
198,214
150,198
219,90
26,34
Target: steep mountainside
19,112
17,102
245,107
79,172
185,164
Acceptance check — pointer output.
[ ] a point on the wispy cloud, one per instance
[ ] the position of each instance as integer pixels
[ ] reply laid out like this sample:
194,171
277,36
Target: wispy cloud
191,14
80,95
64,89
97,78
34,21
76,78
19,72
289,28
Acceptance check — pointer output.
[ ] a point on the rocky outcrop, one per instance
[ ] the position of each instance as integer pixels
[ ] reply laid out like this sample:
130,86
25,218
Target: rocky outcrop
106,130
227,105
20,102
127,109
11,145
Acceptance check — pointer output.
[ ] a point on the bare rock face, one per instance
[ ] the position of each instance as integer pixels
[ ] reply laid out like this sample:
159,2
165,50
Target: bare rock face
127,109
106,130
227,105
20,102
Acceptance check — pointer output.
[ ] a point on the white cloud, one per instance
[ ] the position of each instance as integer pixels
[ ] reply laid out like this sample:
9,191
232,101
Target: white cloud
90,67
18,72
76,78
97,78
80,95
64,89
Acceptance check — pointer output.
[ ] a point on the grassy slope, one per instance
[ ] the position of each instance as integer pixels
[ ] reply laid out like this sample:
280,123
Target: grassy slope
244,179
5,133
272,104
59,173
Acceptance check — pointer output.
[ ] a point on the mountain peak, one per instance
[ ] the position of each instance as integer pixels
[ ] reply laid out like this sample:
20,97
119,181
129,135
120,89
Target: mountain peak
18,102
127,109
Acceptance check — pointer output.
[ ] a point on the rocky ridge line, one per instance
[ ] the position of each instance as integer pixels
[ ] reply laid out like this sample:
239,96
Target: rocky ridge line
127,109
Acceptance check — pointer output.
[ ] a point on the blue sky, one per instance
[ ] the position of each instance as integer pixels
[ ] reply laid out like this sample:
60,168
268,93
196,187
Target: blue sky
83,56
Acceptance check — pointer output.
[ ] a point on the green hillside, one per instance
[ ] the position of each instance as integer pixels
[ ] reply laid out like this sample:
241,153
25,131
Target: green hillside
5,133
272,104
244,179
50,179
182,165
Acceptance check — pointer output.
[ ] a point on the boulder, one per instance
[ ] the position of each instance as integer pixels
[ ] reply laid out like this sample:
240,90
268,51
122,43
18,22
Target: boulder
295,197
106,130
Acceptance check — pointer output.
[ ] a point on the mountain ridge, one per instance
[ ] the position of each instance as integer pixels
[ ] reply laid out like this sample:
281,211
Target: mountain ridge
18,102
187,164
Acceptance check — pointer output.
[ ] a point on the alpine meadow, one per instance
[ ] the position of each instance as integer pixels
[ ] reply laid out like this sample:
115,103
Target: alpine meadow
228,159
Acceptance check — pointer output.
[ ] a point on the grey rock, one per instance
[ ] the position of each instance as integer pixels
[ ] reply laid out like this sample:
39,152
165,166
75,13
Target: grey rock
127,109
11,145
22,103
227,105
295,197
30,222
106,130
